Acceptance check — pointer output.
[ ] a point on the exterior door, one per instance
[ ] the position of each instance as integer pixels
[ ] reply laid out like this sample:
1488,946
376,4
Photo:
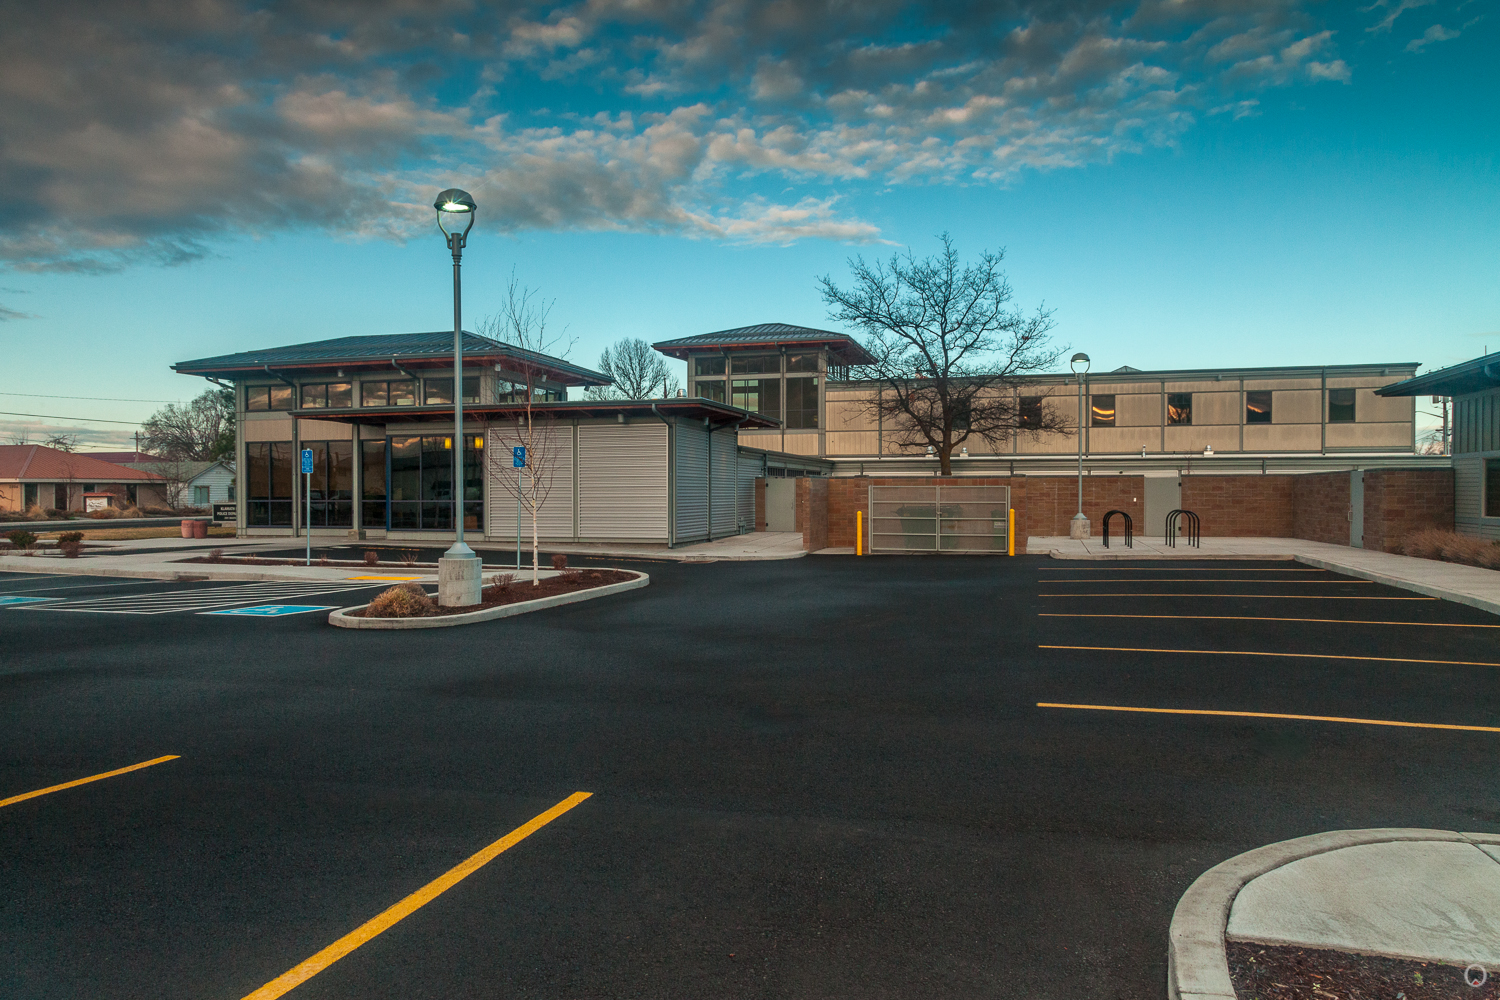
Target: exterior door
781,505
1163,495
1357,509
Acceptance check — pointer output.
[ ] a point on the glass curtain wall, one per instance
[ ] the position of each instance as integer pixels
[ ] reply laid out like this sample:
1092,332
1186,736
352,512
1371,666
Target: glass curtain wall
421,493
270,480
372,484
332,484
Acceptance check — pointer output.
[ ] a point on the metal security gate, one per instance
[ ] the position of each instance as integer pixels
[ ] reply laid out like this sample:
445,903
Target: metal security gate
951,519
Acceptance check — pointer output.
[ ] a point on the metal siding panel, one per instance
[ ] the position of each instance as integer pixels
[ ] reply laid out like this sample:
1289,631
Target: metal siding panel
555,519
749,472
622,481
725,450
692,482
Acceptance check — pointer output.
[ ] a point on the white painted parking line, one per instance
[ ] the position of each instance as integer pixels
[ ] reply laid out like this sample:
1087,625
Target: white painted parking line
272,610
198,599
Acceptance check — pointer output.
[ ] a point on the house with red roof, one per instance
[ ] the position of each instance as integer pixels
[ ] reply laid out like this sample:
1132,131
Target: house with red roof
32,475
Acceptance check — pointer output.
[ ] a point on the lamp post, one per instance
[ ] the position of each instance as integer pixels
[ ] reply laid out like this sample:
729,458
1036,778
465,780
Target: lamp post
459,567
1079,528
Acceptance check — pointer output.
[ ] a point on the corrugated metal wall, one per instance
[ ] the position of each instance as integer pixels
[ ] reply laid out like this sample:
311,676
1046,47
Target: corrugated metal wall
622,481
751,468
692,481
726,451
552,459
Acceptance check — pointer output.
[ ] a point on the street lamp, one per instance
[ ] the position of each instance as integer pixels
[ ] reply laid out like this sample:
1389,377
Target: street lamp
1079,528
459,567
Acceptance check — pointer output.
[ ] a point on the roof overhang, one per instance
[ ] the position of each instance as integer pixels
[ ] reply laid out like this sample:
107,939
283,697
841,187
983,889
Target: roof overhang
690,408
847,350
1478,375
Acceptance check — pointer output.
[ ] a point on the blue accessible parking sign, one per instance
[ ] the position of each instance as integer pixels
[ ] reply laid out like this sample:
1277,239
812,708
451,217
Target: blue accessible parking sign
518,457
307,465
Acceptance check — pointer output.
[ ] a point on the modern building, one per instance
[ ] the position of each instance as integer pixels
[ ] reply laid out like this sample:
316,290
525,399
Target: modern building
32,475
1475,389
377,414
1283,417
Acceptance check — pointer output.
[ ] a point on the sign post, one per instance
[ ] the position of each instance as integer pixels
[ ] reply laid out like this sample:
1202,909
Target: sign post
307,468
518,461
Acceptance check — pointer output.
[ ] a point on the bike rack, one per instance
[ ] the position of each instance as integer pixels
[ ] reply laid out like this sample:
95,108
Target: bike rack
1129,529
1194,529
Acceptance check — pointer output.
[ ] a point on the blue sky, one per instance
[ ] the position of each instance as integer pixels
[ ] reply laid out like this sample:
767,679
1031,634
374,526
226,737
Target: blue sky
1185,183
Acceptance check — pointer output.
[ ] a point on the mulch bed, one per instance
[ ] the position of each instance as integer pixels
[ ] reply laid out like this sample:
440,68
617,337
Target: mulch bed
357,564
569,582
1281,972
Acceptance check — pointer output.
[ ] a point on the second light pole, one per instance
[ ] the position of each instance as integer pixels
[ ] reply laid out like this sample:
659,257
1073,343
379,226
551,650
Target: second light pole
459,567
1079,528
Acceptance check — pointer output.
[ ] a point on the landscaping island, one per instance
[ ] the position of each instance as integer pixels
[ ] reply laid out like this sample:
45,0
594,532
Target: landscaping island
408,605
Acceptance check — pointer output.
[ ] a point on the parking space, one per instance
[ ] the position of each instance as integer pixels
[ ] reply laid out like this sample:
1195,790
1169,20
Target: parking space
103,595
826,778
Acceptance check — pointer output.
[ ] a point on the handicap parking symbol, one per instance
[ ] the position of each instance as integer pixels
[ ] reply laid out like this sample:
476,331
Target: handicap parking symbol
25,600
272,610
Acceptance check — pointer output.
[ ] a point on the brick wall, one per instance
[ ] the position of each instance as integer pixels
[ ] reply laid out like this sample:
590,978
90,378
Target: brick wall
1320,507
1239,506
846,498
760,505
1399,502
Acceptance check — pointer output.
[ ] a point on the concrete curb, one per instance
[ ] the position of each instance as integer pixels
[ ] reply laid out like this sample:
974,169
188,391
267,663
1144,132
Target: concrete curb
1493,607
1197,966
1126,554
98,523
342,619
201,572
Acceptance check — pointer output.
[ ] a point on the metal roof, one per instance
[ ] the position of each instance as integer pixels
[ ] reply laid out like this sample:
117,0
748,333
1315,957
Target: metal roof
376,348
768,335
1455,380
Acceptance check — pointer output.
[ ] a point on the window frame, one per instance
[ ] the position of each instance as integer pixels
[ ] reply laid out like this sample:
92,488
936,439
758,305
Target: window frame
1029,413
1261,416
737,360
1352,406
1179,414
1489,473
704,365
804,383
1096,417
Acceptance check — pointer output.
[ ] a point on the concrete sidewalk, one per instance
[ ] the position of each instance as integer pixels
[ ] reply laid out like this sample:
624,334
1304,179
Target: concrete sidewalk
1422,895
1478,588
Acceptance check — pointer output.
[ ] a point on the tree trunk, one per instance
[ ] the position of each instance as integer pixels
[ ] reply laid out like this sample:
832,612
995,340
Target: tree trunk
945,459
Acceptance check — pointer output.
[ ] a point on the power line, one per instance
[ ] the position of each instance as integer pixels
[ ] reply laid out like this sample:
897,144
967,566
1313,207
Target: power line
112,399
87,420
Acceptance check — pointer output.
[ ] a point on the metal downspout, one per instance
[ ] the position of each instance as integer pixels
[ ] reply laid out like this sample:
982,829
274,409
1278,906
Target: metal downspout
671,482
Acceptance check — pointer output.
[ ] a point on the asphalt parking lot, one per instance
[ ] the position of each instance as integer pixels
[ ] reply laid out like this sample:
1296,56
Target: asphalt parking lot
832,777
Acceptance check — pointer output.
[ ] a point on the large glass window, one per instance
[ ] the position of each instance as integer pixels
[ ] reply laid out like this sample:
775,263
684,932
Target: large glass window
756,364
372,483
268,397
271,482
1179,407
708,365
1258,407
761,395
1102,410
801,404
332,487
710,389
421,495
436,391
1492,487
331,395
1340,406
1030,415
402,392
807,362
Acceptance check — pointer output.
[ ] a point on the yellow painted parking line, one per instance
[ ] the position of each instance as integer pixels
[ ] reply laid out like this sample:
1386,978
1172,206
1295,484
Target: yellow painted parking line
382,578
367,931
1295,656
1272,715
84,781
1142,579
1281,597
1248,618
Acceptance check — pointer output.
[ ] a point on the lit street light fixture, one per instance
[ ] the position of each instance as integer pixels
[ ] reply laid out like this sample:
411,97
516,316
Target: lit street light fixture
459,567
1079,528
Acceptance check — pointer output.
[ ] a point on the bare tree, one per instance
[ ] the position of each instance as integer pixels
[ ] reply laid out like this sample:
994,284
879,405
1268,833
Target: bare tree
950,350
61,442
199,431
522,322
637,370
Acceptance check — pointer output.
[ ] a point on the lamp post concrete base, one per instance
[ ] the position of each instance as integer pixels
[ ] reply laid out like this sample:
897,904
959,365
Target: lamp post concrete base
1078,527
458,580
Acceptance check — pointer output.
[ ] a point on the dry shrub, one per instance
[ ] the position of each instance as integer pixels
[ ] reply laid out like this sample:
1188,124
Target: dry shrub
559,561
372,558
498,588
104,513
216,555
132,511
21,539
36,513
408,557
405,600
70,550
1449,546
323,561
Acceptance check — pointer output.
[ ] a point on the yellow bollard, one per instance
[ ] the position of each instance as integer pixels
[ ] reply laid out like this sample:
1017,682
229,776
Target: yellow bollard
859,532
1010,544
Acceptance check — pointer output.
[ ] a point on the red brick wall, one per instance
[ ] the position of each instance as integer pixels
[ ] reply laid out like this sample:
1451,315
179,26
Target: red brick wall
1399,502
760,504
1239,506
1320,507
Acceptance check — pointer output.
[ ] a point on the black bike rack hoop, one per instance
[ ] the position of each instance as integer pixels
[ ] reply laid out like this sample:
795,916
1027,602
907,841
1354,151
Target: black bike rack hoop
1129,529
1193,525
